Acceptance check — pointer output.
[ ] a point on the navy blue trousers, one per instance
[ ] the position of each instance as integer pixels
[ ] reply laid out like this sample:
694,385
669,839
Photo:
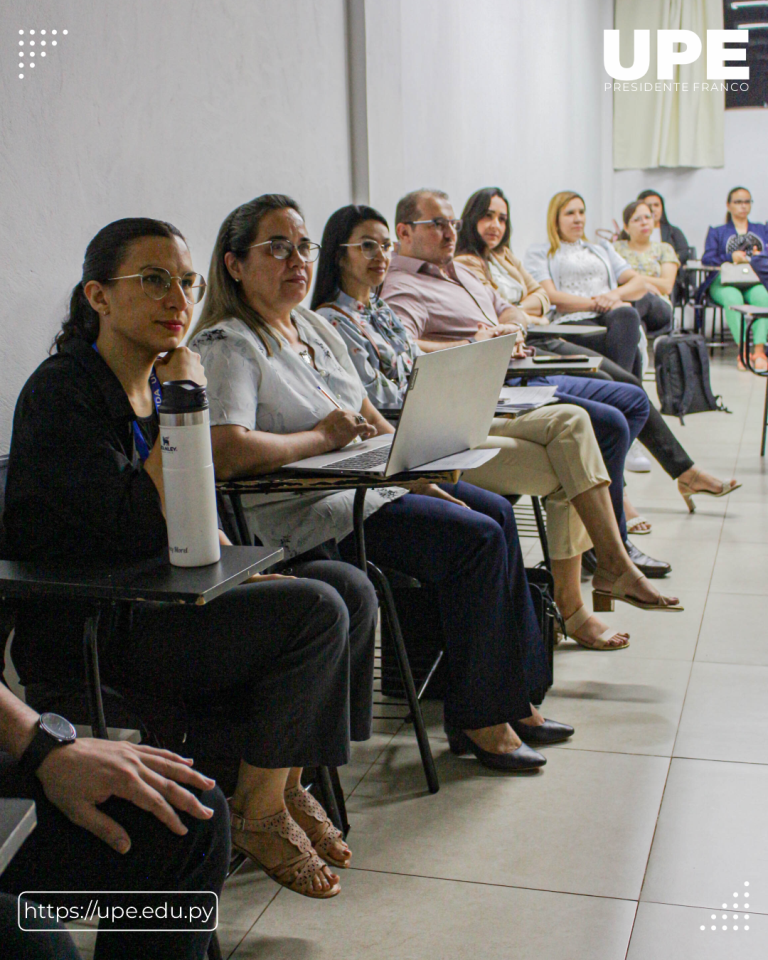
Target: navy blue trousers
493,647
618,412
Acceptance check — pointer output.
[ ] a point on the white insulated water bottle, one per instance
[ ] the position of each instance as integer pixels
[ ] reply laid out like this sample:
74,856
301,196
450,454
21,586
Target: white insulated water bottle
188,478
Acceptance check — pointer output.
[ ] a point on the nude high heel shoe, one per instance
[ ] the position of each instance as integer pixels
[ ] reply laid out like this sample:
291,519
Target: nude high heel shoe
687,491
617,588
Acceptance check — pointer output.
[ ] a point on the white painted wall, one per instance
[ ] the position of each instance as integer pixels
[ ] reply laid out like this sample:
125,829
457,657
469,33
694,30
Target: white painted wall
177,109
463,95
695,198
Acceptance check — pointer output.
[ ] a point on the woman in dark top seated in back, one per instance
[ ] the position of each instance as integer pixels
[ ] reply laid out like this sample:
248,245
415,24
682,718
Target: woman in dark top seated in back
85,484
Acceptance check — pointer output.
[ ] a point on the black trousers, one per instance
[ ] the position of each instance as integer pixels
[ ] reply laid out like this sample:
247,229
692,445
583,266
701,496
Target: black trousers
61,856
277,656
621,340
656,435
494,650
655,314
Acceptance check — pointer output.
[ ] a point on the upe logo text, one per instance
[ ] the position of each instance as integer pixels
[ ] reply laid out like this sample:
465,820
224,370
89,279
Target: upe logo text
675,47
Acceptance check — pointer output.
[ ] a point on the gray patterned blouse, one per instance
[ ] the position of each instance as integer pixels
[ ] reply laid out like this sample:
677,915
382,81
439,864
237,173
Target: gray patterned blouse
280,394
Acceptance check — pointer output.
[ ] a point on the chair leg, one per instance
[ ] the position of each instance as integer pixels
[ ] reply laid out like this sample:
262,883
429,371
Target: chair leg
542,532
393,623
765,419
214,950
93,676
341,803
329,798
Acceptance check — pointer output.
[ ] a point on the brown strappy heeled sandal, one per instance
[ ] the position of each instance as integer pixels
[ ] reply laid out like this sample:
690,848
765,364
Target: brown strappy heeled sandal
321,832
294,872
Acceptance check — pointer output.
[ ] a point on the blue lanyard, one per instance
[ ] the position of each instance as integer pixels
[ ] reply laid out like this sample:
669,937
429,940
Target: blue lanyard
140,441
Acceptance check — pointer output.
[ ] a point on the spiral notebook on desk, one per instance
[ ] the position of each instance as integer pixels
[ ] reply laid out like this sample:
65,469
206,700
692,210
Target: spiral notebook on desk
521,399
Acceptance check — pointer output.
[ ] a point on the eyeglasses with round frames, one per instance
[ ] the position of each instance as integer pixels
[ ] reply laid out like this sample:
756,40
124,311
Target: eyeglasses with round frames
156,283
440,223
283,249
370,248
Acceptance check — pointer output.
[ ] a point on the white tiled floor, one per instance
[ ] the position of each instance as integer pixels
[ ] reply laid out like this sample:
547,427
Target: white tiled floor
638,832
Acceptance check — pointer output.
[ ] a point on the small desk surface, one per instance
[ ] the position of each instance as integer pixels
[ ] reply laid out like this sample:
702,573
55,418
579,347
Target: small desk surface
17,820
749,311
149,580
302,481
564,330
698,265
527,368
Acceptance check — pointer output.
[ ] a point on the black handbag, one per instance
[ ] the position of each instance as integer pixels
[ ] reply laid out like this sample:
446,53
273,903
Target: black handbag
422,629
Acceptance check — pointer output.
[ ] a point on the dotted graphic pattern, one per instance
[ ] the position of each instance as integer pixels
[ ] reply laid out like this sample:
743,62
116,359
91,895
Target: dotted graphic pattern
33,44
743,918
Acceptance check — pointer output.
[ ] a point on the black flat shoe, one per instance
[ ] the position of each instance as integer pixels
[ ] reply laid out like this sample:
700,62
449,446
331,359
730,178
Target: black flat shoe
548,732
522,760
653,569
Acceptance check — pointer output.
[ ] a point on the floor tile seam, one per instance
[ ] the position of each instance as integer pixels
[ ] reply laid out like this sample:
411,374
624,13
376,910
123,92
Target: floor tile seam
655,828
696,647
698,906
732,593
743,763
240,942
729,663
561,748
375,761
486,883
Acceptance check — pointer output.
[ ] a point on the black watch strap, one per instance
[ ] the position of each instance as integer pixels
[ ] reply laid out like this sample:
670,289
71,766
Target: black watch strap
52,731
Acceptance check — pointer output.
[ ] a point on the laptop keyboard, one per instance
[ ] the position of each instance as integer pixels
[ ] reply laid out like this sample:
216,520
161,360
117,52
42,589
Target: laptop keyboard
373,458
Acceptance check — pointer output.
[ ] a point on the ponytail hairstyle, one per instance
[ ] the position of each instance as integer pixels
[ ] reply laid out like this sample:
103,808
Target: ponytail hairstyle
223,297
469,240
728,217
338,230
628,212
556,204
103,257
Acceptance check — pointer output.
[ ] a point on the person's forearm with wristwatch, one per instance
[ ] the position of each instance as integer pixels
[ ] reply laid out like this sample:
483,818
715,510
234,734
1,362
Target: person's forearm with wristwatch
79,774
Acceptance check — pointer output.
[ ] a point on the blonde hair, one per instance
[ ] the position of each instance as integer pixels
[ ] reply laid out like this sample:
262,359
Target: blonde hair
223,296
556,204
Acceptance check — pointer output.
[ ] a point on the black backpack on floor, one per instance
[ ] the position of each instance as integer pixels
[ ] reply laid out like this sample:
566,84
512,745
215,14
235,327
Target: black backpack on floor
682,375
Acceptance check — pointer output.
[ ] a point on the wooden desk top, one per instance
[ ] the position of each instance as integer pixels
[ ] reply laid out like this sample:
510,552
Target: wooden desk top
295,481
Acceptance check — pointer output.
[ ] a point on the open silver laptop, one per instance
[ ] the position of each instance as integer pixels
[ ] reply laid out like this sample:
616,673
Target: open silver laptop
447,411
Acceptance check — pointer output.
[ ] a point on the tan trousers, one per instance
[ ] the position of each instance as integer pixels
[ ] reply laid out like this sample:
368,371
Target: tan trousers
551,452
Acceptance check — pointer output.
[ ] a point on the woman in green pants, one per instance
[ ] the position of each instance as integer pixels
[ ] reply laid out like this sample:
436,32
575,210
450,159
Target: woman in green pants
736,241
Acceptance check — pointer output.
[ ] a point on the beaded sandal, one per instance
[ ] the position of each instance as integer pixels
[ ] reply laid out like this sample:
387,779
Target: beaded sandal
322,832
295,873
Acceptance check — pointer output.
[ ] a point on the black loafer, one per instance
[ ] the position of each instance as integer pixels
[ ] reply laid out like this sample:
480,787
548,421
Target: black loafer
653,569
522,760
548,732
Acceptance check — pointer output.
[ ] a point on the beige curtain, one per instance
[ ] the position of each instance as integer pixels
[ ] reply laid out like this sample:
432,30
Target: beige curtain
672,128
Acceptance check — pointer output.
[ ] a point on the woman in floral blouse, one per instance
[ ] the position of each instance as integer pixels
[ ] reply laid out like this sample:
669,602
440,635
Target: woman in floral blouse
658,262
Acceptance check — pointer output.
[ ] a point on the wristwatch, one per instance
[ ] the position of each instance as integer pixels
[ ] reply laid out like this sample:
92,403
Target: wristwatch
52,731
